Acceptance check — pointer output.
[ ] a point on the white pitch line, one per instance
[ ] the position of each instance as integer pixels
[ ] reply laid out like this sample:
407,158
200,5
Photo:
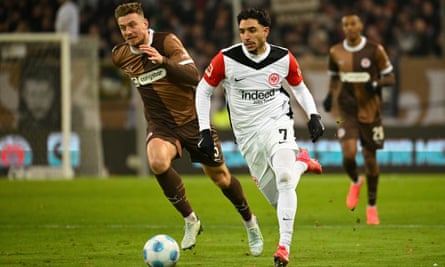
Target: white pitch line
156,226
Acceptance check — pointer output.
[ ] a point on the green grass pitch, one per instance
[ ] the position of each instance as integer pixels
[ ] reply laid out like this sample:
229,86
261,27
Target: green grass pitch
95,222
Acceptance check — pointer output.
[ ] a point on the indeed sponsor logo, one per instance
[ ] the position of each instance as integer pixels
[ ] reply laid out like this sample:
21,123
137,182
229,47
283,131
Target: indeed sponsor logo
257,94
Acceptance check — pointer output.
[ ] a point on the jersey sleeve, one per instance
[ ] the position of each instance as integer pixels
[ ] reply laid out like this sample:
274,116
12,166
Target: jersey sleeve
294,77
203,102
116,55
178,62
215,72
383,61
332,65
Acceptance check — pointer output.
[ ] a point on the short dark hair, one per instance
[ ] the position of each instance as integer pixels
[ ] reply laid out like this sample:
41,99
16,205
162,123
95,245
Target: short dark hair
128,8
255,13
351,14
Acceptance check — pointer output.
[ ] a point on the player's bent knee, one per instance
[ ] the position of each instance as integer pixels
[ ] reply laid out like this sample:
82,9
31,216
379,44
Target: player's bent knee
159,166
285,178
221,180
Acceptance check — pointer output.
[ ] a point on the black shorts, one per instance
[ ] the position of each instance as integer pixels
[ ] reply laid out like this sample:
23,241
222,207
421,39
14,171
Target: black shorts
371,135
187,136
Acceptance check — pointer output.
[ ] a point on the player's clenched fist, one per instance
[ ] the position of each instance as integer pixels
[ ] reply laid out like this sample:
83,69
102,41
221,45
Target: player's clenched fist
316,127
206,143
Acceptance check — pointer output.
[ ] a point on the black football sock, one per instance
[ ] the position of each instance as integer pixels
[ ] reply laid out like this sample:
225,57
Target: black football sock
350,166
372,182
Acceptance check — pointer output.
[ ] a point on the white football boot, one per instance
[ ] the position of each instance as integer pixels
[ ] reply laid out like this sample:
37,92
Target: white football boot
255,239
191,231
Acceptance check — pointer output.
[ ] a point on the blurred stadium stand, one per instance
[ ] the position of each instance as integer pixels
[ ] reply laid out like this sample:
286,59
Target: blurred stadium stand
404,27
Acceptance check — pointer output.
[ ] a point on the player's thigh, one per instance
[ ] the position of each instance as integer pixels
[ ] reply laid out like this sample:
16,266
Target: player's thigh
372,135
160,153
348,133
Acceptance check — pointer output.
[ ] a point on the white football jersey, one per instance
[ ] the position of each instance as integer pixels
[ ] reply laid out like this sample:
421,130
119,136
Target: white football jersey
254,85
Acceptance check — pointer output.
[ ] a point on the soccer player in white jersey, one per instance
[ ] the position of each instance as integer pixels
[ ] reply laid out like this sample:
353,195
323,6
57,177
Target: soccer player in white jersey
252,74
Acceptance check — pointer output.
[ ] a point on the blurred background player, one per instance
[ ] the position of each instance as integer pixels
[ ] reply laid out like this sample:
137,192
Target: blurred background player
68,19
166,77
252,74
359,68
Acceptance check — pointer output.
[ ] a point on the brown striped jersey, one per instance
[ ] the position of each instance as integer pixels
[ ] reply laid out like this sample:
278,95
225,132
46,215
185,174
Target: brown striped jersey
354,66
168,89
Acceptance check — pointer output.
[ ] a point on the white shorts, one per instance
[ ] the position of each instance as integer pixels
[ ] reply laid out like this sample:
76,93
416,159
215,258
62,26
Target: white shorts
258,150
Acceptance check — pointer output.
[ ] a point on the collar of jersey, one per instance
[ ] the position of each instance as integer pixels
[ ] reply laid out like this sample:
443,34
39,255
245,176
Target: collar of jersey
354,48
256,58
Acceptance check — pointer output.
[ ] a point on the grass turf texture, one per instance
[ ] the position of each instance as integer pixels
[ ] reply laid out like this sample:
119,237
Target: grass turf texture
92,222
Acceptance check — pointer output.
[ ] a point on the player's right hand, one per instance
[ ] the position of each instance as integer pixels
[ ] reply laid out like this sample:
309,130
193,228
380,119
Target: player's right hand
152,53
372,87
327,103
206,143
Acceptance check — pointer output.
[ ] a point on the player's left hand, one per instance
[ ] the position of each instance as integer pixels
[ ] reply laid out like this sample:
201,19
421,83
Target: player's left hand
206,143
372,86
316,127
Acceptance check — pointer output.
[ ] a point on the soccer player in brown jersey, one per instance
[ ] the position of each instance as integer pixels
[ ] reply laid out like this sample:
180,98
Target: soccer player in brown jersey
358,69
166,77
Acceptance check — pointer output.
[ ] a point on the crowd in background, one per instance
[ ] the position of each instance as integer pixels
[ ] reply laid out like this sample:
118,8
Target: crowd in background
404,27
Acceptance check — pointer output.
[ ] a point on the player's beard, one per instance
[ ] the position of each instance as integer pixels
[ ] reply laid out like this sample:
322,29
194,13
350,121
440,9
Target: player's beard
257,49
136,42
353,37
253,51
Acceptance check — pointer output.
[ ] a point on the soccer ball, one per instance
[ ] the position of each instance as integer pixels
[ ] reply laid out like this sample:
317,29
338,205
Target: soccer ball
161,251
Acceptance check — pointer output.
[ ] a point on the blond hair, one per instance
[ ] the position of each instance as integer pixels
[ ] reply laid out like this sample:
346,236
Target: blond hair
128,8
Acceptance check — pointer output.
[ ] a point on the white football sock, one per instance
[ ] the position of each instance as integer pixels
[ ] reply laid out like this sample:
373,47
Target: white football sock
288,172
286,210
